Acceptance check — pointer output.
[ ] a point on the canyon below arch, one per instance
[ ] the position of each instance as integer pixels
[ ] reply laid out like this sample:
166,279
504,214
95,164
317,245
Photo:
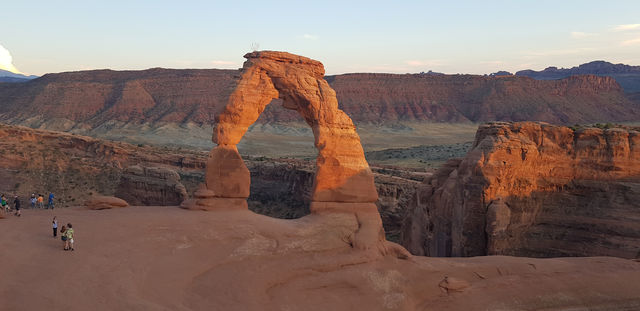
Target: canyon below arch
527,189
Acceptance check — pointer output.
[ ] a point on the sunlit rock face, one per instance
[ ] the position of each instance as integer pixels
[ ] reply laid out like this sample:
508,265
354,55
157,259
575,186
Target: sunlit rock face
533,189
343,174
343,181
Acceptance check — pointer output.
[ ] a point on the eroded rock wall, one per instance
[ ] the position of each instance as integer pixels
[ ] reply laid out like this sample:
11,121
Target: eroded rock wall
142,185
533,189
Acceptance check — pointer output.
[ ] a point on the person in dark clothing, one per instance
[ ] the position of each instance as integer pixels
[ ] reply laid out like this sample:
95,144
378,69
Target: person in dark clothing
55,226
16,204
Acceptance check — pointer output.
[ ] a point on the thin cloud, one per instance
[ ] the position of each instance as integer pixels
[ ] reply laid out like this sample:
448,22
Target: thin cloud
557,52
309,37
223,62
580,34
626,27
420,63
635,41
493,62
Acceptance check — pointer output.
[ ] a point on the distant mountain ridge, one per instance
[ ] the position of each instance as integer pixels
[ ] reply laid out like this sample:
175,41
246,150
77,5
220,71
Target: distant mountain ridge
89,99
8,76
627,76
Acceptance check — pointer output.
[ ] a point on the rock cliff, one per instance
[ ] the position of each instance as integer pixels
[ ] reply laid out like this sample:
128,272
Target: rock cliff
533,189
91,99
77,167
151,186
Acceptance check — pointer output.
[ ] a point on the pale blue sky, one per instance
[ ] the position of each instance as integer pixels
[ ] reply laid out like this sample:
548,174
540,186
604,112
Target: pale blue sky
347,36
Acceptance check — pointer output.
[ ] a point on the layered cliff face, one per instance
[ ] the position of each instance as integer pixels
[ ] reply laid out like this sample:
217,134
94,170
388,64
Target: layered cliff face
90,99
151,186
76,168
459,98
533,189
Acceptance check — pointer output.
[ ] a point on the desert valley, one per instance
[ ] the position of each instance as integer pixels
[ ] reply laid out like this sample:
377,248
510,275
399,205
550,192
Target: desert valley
284,185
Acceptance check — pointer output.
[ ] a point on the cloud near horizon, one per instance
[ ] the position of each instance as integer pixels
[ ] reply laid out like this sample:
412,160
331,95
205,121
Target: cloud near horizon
580,34
6,61
418,63
626,27
310,37
635,41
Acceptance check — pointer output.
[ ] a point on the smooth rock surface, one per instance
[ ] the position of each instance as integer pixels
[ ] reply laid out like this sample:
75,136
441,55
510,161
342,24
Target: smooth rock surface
99,202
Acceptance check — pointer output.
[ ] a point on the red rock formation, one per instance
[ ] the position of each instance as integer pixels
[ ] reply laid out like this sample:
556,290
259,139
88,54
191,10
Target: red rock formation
151,186
100,202
88,99
533,189
343,181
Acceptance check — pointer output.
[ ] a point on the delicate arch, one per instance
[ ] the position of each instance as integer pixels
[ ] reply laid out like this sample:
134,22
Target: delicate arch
343,174
343,180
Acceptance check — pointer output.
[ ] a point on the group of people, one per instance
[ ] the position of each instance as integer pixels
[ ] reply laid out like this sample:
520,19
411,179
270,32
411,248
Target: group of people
66,232
7,208
35,202
39,201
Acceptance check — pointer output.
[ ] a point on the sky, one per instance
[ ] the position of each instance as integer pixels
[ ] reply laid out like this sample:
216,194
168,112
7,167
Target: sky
477,37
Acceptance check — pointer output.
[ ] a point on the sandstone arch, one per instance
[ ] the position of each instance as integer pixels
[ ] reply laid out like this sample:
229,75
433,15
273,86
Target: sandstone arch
343,181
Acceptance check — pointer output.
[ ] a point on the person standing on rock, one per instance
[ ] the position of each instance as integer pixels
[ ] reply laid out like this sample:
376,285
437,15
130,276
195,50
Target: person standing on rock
50,204
33,200
55,226
5,206
69,233
40,201
63,233
16,204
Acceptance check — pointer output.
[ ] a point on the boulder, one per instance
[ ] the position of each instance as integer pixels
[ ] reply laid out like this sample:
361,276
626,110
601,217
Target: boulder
100,202
141,185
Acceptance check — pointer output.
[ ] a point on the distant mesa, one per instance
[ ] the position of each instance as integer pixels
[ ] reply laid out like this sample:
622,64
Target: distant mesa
627,76
156,97
500,73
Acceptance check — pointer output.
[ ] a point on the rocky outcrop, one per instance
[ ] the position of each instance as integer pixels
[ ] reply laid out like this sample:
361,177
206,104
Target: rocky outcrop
533,189
100,202
343,181
151,186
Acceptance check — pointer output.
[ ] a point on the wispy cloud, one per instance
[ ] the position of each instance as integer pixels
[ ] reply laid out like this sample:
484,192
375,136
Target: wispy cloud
581,35
627,27
635,41
309,37
493,62
423,63
557,52
223,62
